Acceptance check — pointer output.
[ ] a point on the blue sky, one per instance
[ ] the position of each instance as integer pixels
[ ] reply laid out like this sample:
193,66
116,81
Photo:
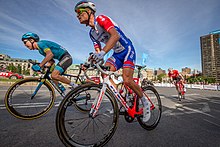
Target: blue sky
166,31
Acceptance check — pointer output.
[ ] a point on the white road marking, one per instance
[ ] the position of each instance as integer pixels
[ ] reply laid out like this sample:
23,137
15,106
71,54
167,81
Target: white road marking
178,105
192,94
215,101
30,105
187,110
212,122
196,111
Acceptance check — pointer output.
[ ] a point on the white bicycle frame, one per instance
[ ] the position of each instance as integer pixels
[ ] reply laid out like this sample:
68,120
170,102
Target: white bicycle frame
106,83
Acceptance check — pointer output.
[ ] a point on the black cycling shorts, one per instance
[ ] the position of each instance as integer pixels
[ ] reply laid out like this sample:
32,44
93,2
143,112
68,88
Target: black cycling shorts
64,63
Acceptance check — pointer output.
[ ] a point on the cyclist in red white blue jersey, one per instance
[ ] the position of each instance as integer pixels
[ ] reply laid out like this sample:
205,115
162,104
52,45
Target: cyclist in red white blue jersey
105,30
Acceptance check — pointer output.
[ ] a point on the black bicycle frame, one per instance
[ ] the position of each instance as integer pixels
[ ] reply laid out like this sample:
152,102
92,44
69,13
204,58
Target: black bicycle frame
47,77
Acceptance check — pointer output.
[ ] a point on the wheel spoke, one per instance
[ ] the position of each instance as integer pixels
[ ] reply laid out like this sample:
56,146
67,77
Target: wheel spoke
82,128
20,103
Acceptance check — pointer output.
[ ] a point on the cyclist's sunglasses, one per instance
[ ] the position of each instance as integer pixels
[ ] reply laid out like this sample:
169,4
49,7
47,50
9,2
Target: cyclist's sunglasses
25,41
80,11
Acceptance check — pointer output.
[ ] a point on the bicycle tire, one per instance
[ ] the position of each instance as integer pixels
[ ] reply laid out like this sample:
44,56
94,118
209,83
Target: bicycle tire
179,96
73,125
153,95
18,100
180,92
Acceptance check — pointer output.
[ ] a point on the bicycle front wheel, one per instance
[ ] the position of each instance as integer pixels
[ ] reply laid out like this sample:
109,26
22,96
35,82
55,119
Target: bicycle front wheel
181,93
156,108
23,101
76,127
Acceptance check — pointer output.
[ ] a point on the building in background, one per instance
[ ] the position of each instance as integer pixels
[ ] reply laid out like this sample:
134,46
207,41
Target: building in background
149,74
146,72
186,70
159,71
195,72
6,60
74,70
210,54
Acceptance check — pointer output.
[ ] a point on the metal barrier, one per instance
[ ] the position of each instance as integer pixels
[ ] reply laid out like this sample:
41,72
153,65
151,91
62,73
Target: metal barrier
193,86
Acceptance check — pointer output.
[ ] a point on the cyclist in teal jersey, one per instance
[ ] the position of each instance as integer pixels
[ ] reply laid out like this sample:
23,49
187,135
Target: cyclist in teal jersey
50,50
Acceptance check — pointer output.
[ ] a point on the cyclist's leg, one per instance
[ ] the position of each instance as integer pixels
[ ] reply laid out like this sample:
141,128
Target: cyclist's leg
184,88
60,68
179,84
123,59
175,83
128,71
112,63
128,80
56,76
112,68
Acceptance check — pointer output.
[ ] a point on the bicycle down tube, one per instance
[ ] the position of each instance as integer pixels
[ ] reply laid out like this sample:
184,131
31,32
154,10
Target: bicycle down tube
96,104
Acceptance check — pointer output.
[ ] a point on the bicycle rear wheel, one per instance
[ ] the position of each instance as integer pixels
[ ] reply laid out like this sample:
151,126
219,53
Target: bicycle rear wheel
182,92
19,103
151,93
76,127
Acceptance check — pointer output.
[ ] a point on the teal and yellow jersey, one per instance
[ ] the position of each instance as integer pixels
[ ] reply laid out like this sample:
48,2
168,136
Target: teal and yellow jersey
55,48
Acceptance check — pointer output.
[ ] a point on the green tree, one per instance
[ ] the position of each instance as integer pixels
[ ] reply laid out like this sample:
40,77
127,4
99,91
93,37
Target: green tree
11,67
26,72
18,70
161,76
202,79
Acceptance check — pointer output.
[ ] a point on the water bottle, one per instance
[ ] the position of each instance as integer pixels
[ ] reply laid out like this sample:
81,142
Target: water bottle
61,87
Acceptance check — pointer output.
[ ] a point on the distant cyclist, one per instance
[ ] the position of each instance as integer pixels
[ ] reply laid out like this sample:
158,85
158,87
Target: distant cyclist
105,30
50,50
175,77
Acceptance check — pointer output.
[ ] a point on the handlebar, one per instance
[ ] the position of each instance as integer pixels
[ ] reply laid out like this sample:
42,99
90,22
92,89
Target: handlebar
103,69
34,62
140,67
47,68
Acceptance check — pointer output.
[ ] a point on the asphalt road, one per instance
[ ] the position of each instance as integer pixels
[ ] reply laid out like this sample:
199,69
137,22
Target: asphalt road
194,122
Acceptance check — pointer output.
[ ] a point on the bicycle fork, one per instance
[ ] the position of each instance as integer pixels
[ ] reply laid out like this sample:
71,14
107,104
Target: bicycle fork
97,102
38,87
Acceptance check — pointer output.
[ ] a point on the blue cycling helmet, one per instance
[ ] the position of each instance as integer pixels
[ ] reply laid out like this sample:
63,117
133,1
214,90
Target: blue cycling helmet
30,35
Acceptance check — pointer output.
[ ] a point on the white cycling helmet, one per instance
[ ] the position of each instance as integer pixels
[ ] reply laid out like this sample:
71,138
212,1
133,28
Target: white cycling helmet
170,69
85,4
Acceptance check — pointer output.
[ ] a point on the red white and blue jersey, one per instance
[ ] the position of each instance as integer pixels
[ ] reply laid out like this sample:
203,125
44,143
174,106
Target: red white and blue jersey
100,34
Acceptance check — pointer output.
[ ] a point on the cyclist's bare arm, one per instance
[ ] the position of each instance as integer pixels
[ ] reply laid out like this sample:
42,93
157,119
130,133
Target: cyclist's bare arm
49,56
114,37
97,49
50,63
171,79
